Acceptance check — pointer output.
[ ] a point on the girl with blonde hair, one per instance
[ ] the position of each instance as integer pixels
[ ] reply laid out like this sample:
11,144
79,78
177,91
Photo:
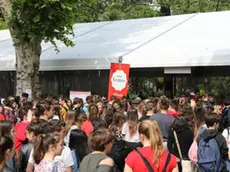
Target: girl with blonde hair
152,156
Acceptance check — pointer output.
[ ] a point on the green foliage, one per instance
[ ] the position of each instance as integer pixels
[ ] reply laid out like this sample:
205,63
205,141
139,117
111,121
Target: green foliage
194,6
47,20
109,10
3,24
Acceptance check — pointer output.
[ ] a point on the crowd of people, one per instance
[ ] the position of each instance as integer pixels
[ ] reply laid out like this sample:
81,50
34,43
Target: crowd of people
156,134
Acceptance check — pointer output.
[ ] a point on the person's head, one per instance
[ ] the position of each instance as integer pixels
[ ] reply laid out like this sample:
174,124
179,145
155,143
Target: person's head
79,143
57,126
113,98
101,140
155,104
6,149
211,98
149,107
212,120
33,130
25,96
180,124
89,99
99,123
117,104
150,131
119,119
76,102
135,103
7,129
132,120
62,100
218,110
6,102
23,111
163,104
47,143
44,109
100,107
173,105
93,112
69,103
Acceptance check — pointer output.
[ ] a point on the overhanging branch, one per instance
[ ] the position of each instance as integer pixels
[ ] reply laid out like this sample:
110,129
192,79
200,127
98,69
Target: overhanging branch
5,7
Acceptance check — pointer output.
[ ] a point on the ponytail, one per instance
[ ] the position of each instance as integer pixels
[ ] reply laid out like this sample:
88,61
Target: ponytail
156,141
42,144
39,152
152,132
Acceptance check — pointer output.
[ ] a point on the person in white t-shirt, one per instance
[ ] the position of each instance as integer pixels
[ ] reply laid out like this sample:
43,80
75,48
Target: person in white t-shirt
226,133
129,129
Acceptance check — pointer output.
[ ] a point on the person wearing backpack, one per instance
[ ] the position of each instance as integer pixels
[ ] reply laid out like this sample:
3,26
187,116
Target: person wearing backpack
212,147
152,157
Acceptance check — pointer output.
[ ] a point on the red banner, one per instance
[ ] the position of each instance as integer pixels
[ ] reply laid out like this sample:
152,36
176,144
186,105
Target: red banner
118,80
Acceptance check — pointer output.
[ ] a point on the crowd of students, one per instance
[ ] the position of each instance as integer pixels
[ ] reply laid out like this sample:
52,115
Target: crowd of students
54,134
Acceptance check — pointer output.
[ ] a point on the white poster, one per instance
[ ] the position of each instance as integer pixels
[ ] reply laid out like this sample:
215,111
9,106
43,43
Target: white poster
79,94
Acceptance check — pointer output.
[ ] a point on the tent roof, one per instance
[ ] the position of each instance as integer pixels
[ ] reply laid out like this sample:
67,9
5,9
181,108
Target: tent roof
186,40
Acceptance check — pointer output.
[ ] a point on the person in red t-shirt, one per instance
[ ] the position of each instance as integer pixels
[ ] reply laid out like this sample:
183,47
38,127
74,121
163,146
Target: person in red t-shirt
153,150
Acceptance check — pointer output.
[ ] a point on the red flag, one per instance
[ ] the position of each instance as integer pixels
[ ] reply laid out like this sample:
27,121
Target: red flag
118,80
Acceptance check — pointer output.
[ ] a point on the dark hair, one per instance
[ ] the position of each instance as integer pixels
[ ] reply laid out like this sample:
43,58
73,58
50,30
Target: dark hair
6,143
89,99
211,119
99,139
109,111
5,127
56,125
112,98
118,120
99,123
132,120
187,111
180,124
174,104
200,116
63,98
42,106
78,142
93,112
35,127
149,106
6,102
164,104
76,100
42,144
25,95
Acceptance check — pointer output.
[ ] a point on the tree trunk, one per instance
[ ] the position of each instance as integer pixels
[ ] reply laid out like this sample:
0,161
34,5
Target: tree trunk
27,67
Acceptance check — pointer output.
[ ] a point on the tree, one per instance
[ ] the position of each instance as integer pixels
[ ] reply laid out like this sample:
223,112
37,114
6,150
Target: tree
30,22
175,7
109,10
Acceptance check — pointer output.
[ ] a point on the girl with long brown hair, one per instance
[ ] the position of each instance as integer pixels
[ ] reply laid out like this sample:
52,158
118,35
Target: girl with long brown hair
129,129
46,147
153,152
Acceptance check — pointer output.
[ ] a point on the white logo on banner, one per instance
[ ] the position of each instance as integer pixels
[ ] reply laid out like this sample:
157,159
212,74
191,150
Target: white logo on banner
119,80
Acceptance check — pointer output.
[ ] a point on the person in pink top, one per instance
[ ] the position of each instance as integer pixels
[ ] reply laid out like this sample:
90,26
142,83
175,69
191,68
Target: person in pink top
46,147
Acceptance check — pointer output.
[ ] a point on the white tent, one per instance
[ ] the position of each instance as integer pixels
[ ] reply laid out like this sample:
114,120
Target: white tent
201,39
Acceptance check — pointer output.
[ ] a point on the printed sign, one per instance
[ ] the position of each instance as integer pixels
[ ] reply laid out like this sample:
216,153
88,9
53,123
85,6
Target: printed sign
79,94
118,80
